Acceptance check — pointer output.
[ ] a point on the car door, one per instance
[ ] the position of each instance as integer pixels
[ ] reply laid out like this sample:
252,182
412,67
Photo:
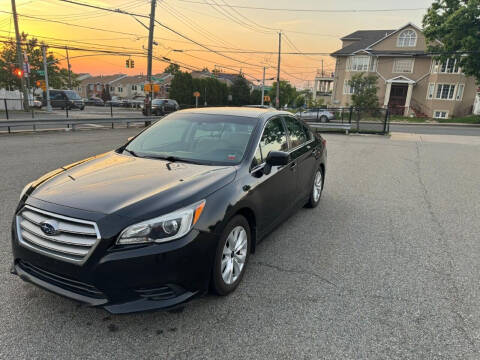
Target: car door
273,192
301,148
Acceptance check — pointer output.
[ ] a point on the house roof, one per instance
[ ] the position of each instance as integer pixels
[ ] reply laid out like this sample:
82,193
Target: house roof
136,79
102,79
364,38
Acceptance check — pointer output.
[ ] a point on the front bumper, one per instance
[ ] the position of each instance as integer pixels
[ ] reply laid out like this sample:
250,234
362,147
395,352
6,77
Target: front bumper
128,279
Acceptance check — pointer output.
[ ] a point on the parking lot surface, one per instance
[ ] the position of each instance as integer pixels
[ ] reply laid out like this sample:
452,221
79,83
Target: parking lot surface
386,267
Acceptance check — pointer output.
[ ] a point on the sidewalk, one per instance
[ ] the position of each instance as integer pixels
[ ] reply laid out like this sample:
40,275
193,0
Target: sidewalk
432,124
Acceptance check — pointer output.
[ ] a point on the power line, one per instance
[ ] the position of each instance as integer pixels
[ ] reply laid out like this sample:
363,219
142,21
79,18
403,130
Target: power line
305,10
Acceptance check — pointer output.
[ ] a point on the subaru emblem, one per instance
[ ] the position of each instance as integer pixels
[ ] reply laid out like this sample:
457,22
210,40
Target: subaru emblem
50,227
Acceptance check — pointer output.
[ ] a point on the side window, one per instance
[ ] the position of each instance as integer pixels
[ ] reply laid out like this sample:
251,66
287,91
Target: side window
296,132
274,138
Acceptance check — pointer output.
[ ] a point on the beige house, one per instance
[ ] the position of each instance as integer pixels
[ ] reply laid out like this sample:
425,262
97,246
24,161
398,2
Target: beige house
131,87
410,82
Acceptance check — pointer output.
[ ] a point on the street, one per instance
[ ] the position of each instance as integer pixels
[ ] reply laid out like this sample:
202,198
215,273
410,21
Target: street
386,266
462,130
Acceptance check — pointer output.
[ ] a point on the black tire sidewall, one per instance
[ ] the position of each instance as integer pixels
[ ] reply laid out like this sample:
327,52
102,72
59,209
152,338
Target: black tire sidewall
218,285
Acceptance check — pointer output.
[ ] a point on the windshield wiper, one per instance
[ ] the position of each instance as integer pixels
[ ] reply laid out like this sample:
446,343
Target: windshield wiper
131,152
172,158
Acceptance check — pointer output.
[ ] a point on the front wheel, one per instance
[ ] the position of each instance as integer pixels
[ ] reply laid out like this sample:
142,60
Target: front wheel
323,119
317,188
231,257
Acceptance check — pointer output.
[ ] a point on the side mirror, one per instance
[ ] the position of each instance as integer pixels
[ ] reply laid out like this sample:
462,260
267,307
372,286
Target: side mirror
275,158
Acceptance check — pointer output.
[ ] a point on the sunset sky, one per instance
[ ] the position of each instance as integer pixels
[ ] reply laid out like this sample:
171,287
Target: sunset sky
221,28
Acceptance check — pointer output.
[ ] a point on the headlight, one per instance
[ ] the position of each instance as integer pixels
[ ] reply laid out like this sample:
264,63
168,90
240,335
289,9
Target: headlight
25,189
164,228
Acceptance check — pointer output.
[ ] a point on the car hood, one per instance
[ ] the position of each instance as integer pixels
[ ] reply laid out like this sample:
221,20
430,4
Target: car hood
130,186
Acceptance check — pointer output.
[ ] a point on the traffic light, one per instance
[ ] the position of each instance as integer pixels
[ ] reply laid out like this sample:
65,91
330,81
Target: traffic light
132,64
127,63
18,73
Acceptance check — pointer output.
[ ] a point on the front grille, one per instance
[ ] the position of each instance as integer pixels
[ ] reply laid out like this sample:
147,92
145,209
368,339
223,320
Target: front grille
61,281
73,240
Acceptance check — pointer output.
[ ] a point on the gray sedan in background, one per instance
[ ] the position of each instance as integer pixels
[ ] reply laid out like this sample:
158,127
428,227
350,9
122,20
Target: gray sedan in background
321,115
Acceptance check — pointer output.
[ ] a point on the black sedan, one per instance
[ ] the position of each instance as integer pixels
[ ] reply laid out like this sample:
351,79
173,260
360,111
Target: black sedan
174,212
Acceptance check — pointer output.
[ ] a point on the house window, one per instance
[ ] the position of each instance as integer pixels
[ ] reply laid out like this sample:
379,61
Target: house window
134,87
460,89
440,114
359,63
445,91
431,90
120,89
450,66
407,38
112,88
347,88
403,66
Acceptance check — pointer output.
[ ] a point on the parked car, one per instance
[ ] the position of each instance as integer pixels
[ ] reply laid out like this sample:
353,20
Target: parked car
321,115
64,99
162,107
37,104
116,101
175,211
95,101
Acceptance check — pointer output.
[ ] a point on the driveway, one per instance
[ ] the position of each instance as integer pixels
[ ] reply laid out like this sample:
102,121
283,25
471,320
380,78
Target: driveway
386,267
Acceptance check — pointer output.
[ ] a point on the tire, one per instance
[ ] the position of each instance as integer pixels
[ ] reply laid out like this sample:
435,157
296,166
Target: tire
323,119
223,281
317,188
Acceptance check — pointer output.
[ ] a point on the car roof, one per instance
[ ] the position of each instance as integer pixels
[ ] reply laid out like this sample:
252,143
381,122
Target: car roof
258,113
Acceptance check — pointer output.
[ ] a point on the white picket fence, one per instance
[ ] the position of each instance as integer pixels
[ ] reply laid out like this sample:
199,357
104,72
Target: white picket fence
14,99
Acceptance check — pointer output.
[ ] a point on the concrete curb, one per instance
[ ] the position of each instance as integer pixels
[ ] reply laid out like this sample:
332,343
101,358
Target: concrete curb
435,124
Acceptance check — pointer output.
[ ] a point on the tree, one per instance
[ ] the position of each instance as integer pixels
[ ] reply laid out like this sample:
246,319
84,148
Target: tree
172,69
256,97
288,94
57,77
240,91
364,91
106,93
181,88
456,24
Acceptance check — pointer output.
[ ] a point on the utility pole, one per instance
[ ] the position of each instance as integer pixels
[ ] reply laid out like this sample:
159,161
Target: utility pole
277,99
20,56
322,68
150,53
69,70
205,104
45,69
263,86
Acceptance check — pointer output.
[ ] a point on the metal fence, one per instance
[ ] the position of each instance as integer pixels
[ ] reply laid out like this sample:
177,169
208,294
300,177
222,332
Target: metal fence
374,121
12,109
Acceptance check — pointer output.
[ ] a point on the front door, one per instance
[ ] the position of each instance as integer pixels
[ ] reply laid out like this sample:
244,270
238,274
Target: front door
398,97
275,192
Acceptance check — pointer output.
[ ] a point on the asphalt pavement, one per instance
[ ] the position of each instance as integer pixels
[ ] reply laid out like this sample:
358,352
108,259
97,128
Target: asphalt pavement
385,268
462,130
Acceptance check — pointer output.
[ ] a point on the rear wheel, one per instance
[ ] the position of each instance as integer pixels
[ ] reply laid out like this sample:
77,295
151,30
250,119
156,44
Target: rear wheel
323,119
231,256
317,189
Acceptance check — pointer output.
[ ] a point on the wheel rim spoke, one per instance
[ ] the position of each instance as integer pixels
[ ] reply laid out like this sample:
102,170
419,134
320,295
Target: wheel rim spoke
234,255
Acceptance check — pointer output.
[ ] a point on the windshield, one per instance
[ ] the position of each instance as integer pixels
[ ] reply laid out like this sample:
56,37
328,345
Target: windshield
72,95
199,138
158,102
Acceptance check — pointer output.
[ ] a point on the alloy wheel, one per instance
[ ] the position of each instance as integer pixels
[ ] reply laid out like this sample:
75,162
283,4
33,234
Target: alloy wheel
234,255
317,186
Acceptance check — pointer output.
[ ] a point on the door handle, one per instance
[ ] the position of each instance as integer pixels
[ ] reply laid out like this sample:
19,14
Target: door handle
293,166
